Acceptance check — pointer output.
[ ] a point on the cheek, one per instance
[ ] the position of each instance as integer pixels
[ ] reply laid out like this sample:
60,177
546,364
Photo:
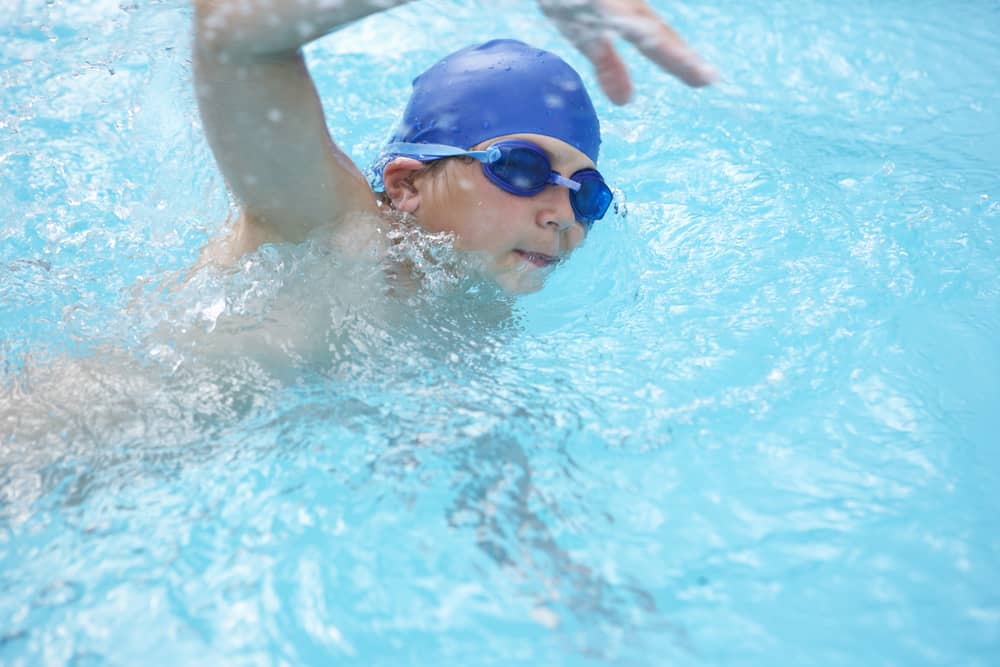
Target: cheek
576,237
464,184
485,217
449,206
500,217
481,215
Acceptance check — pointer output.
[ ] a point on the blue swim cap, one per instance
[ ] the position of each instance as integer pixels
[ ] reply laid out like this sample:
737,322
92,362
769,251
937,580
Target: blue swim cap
501,87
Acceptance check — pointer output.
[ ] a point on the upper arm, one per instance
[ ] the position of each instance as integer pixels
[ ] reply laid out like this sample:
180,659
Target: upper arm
265,124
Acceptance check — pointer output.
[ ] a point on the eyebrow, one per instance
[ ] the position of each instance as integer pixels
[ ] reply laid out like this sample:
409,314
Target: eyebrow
566,159
561,156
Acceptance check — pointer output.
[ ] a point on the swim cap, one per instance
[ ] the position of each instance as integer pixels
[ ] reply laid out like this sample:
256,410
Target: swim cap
501,87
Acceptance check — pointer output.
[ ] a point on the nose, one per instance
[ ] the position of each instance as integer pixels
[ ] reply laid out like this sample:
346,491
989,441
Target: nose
554,210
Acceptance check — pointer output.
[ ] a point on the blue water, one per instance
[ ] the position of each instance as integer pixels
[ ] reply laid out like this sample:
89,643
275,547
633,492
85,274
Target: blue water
753,422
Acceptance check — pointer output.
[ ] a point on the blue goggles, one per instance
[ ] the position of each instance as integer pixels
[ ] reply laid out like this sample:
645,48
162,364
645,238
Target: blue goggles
523,169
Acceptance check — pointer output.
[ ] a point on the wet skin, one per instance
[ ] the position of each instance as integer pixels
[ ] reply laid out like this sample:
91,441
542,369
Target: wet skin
519,239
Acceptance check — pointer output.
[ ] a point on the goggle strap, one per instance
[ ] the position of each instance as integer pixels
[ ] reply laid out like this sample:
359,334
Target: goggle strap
433,151
565,182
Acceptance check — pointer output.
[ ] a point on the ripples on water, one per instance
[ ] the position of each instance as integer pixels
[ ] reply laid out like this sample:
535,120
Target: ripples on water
752,422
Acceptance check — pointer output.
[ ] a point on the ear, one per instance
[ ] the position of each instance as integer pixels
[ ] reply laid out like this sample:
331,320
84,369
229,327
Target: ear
399,182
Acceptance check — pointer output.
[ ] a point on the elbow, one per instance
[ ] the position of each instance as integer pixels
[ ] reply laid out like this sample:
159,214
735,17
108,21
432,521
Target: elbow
225,28
210,30
219,28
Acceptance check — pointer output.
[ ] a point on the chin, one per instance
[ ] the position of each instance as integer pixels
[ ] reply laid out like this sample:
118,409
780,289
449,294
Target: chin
520,282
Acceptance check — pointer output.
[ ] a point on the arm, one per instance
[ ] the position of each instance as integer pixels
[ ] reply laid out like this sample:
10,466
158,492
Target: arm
263,117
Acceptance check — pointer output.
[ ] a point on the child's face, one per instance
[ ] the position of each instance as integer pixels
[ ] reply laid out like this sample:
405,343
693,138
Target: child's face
520,239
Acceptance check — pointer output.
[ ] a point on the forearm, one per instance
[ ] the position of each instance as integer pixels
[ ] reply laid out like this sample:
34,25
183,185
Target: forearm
251,28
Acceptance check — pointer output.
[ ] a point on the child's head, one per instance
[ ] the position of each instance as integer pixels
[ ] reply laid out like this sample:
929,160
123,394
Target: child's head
530,124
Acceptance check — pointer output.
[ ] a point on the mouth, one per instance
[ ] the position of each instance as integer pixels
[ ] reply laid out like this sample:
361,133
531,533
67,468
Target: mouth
539,259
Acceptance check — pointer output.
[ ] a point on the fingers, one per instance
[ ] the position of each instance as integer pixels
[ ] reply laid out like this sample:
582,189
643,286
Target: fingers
611,71
660,43
583,32
684,63
588,23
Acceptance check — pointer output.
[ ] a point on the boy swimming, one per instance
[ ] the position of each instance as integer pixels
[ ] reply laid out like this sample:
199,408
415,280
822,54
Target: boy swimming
498,145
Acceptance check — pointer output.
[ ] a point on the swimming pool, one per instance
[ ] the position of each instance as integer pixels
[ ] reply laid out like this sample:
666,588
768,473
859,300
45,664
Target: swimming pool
753,422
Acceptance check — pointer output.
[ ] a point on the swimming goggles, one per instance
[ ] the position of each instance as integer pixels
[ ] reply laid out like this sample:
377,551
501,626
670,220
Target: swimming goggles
523,169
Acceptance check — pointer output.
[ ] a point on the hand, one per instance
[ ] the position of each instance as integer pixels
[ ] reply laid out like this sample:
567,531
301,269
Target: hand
590,25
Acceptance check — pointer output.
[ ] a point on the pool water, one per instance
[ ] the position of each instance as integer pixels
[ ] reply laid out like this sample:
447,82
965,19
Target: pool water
752,422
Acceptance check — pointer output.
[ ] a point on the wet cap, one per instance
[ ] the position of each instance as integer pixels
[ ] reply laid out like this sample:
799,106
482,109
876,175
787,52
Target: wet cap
501,87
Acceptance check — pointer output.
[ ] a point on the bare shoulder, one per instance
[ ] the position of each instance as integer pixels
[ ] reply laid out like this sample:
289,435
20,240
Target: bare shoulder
361,233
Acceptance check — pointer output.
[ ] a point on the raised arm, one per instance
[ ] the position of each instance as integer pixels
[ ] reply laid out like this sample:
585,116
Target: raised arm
263,118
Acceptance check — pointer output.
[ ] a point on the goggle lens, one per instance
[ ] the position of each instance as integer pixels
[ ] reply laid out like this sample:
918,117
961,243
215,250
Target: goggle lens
592,200
523,169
